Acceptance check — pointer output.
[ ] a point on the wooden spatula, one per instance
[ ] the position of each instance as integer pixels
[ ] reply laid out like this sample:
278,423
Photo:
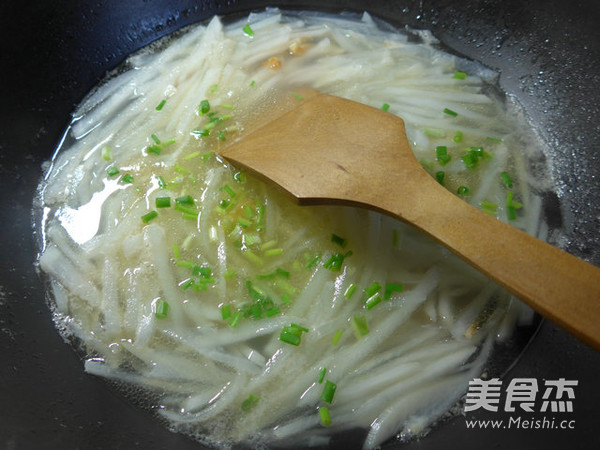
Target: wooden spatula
329,150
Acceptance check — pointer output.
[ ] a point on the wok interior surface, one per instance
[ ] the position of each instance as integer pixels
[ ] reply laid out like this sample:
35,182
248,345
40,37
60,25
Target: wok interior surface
548,54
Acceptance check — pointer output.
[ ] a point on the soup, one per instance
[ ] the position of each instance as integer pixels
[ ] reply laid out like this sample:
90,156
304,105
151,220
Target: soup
245,318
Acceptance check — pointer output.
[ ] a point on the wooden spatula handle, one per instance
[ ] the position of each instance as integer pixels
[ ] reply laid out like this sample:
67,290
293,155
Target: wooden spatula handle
561,287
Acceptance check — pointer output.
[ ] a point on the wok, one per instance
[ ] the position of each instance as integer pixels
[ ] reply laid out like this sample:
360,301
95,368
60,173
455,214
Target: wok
52,53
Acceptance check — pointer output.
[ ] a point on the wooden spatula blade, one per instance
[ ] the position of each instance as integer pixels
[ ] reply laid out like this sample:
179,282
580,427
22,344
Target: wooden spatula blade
327,150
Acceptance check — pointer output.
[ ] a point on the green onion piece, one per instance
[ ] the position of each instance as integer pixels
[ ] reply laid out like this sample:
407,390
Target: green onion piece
334,263
459,75
252,83
274,252
272,311
185,200
458,136
162,309
112,171
493,139
249,403
511,213
297,96
204,107
186,284
186,264
235,319
213,88
488,207
186,210
225,312
324,416
292,334
248,212
167,143
450,112
328,391
127,178
433,132
336,337
226,106
175,251
350,290
313,261
201,132
338,240
222,136
442,155
282,273
230,191
463,190
248,31
289,338
372,301
385,107
390,288
192,155
154,149
359,325
510,201
322,374
106,153
155,139
160,105
440,176
373,289
163,202
161,182
202,271
470,160
506,179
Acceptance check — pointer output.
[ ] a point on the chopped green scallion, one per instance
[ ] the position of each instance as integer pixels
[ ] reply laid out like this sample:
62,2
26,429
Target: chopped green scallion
450,112
155,139
359,325
185,200
489,207
459,75
106,153
336,337
162,309
350,290
328,391
112,171
390,288
204,107
506,179
249,403
385,107
372,301
322,374
225,312
297,96
161,105
163,202
440,177
248,31
463,190
127,178
373,288
338,240
458,136
325,416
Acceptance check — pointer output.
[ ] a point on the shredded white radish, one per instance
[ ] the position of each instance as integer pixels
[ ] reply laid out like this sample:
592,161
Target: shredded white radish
234,307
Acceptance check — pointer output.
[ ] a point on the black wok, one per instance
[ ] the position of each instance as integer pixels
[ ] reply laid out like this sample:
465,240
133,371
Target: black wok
52,53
